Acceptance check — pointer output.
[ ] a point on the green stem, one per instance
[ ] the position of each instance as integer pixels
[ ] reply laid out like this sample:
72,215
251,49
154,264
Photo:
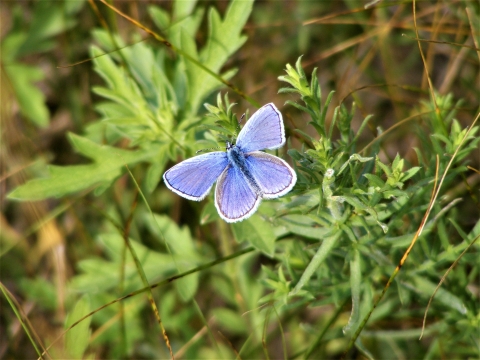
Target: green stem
332,205
355,283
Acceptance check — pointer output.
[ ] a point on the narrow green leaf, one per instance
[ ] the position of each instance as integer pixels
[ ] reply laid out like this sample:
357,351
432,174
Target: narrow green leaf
448,299
374,180
77,339
410,172
321,254
304,226
160,17
355,283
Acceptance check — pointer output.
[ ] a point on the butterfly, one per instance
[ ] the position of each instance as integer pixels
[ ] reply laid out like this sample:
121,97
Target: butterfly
244,174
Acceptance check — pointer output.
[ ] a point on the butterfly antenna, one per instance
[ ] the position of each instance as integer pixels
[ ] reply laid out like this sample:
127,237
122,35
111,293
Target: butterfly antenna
209,149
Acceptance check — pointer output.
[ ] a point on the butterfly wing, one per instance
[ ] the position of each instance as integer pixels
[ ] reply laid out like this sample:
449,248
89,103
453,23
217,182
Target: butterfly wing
234,199
274,176
264,130
194,177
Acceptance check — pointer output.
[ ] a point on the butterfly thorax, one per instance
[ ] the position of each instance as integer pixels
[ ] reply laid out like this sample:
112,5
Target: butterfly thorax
237,159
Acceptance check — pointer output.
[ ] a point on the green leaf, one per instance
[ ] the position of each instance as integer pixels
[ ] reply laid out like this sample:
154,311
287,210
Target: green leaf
77,339
159,16
122,89
187,287
30,99
356,203
186,21
448,299
355,283
183,251
224,39
107,166
9,47
230,320
384,167
322,253
155,171
257,232
48,20
100,275
209,214
410,172
375,180
41,291
304,226
182,9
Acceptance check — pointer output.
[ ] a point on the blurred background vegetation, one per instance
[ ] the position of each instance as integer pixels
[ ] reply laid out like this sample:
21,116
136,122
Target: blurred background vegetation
64,255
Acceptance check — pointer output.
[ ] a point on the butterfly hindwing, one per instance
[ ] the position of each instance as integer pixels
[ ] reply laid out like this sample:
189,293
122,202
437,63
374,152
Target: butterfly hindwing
264,130
194,177
234,198
274,176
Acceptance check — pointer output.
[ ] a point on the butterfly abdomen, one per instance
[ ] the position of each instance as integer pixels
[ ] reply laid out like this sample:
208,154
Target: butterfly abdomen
236,158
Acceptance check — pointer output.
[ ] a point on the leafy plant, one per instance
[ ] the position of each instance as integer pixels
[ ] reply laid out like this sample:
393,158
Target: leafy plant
305,276
47,21
361,204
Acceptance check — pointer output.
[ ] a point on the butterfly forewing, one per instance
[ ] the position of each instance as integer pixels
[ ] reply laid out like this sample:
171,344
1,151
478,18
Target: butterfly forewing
264,130
274,176
234,198
194,177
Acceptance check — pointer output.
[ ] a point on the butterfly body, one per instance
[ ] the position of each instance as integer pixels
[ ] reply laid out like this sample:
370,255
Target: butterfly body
244,174
236,158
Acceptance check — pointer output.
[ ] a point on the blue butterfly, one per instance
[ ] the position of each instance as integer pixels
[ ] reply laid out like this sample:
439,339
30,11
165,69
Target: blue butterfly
244,174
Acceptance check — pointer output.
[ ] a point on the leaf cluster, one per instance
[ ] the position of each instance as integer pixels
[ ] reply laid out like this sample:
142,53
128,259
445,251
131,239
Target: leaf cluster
360,210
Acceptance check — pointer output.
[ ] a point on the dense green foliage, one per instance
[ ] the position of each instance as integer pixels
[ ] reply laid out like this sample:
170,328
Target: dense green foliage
298,279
